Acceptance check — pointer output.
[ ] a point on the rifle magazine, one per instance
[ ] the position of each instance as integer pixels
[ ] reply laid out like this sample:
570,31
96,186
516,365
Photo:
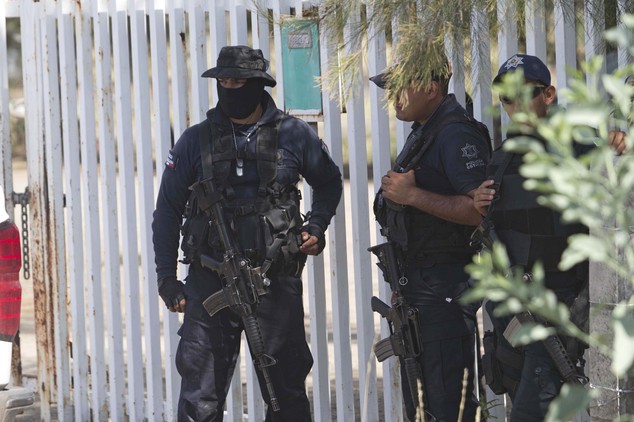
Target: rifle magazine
383,349
215,303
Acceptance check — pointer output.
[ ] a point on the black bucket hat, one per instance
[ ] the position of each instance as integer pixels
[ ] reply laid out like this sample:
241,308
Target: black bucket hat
241,62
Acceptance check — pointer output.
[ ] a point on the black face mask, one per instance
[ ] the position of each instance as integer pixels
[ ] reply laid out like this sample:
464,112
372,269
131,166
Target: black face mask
241,102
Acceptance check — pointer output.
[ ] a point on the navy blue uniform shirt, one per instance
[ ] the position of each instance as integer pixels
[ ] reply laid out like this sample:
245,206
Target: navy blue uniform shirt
300,150
456,162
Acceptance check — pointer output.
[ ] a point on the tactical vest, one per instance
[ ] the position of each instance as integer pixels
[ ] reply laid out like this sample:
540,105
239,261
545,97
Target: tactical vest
530,231
266,227
424,238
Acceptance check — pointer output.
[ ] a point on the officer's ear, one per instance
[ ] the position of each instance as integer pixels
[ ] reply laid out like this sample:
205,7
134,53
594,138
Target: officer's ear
433,89
550,93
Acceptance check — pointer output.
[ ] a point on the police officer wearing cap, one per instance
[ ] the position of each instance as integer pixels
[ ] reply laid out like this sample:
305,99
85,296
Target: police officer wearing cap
531,232
428,212
256,155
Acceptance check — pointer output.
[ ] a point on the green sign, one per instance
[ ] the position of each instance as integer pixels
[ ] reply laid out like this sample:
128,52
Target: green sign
300,60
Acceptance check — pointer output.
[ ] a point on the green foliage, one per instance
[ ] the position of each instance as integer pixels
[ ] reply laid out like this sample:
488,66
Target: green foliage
416,32
594,189
571,399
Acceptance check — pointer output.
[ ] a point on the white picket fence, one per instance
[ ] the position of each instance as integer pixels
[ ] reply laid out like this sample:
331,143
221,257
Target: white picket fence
107,84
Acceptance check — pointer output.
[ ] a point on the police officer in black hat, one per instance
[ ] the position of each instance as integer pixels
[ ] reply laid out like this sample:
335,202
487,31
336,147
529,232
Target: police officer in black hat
531,232
427,212
255,155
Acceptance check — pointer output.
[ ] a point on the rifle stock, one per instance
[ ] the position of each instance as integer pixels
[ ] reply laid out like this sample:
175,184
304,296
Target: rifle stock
242,285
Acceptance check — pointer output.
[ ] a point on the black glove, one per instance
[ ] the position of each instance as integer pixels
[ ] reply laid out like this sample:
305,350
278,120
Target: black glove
316,230
171,291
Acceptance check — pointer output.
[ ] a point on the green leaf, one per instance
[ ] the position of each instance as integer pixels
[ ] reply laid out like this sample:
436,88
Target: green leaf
529,333
623,324
582,247
571,400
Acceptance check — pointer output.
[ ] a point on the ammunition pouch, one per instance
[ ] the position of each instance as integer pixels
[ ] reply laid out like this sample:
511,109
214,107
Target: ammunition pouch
267,230
195,232
501,364
393,219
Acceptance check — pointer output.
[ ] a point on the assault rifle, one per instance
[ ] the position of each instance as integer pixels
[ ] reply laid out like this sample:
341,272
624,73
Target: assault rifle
555,348
405,340
242,285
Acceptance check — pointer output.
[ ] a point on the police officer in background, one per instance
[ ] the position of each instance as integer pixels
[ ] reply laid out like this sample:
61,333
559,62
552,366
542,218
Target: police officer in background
256,155
428,211
531,232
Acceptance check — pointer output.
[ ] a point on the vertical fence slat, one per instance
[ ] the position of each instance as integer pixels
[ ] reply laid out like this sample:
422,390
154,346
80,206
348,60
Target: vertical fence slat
178,76
255,402
31,73
218,39
238,25
55,227
127,213
111,280
234,398
90,200
6,174
145,197
507,44
622,7
161,134
481,67
278,11
455,53
315,278
74,232
536,28
594,26
381,163
318,329
565,49
402,128
198,60
344,394
357,152
180,120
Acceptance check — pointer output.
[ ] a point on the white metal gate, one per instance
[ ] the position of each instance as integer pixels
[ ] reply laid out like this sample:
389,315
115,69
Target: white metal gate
107,85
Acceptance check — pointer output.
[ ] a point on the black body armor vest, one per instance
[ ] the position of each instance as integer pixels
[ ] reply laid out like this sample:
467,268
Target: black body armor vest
267,227
424,238
530,231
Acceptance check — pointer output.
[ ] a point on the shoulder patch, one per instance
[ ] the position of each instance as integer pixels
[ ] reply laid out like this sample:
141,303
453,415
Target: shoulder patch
324,148
470,153
171,161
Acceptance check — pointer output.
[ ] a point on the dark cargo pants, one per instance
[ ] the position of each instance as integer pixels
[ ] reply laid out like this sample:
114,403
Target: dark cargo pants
448,342
209,348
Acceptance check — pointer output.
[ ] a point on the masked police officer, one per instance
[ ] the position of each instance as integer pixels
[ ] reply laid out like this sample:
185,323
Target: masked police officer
531,232
428,212
255,155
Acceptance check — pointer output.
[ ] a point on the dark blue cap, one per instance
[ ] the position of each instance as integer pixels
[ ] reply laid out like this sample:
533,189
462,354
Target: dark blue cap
534,69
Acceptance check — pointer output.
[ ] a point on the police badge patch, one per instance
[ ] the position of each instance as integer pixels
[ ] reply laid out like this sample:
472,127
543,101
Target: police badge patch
470,152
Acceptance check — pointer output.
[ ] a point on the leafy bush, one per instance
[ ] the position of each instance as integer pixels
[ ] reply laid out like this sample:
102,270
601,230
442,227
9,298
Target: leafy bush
595,189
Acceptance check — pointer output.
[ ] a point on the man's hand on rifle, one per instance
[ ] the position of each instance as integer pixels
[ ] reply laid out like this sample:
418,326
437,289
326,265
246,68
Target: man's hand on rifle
483,196
397,187
172,292
313,238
